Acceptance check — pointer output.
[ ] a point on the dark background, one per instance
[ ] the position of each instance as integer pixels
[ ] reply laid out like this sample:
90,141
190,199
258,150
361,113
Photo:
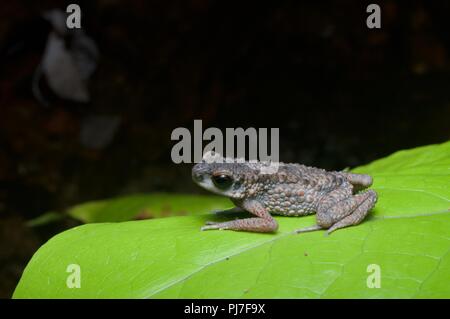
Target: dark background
341,94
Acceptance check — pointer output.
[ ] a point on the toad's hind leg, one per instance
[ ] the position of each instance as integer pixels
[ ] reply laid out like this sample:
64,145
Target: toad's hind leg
333,214
347,212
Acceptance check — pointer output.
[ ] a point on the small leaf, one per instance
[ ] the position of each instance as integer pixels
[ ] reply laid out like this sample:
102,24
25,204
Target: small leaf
44,219
407,236
147,205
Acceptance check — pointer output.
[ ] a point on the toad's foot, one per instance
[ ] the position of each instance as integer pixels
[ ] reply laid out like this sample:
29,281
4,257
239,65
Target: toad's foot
308,229
264,223
254,224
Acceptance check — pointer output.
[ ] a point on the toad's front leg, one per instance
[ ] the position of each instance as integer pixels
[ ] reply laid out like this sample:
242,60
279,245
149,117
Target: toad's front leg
264,223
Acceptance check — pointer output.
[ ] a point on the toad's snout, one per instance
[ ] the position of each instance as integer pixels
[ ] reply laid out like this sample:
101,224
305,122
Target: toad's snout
198,173
196,177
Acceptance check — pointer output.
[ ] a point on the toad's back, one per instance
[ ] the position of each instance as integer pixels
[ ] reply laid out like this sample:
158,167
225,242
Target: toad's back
296,190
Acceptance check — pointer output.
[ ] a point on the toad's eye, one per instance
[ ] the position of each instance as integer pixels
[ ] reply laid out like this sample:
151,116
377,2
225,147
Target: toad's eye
222,181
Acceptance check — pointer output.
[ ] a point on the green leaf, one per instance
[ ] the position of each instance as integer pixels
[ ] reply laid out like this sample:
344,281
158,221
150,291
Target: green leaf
143,206
135,207
407,236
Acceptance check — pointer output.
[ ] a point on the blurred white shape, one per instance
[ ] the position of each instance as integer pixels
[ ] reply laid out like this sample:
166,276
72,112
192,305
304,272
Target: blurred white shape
85,54
57,19
61,71
69,59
